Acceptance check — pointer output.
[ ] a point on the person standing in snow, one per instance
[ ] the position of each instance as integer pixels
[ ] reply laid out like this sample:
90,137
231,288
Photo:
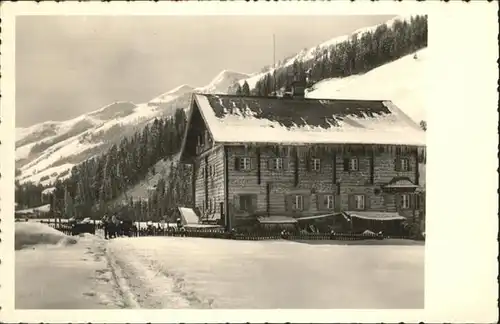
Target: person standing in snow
114,224
105,225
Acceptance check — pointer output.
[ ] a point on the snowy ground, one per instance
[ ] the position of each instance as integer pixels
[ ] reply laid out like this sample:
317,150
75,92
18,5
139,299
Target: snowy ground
173,272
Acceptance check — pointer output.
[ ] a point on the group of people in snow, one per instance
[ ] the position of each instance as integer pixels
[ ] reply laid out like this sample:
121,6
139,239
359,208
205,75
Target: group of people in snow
111,225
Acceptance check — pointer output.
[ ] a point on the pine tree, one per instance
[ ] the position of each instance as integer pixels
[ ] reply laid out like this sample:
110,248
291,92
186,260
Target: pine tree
245,89
239,91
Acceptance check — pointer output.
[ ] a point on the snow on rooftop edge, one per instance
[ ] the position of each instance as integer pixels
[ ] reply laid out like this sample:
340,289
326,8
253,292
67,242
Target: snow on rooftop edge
230,130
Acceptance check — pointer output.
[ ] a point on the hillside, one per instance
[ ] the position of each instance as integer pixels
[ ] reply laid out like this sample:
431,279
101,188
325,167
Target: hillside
47,151
402,81
124,152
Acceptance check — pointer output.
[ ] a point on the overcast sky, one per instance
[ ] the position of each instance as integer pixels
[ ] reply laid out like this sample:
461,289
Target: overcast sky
69,65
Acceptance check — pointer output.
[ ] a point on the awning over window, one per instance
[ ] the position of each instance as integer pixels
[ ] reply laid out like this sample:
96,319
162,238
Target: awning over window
401,182
199,226
381,216
318,216
276,220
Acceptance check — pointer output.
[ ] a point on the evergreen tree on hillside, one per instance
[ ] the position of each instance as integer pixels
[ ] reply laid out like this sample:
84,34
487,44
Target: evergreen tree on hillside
423,125
95,183
357,54
245,89
238,89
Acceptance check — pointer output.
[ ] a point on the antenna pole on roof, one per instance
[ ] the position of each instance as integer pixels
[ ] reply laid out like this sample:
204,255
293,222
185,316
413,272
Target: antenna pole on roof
274,64
274,50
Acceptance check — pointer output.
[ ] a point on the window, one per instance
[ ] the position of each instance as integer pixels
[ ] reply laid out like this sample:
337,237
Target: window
316,164
209,170
405,165
246,202
213,171
360,202
205,137
278,163
245,163
298,202
405,201
353,164
329,202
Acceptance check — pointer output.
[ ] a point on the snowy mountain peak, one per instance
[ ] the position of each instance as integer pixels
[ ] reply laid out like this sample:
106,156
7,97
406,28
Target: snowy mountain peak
223,81
47,151
172,94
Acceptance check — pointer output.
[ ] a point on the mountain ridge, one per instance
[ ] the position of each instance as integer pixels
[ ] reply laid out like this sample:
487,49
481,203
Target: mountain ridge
47,151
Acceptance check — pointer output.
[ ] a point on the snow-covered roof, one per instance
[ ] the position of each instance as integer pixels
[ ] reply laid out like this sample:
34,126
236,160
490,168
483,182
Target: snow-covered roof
48,191
276,220
41,209
381,216
188,216
235,119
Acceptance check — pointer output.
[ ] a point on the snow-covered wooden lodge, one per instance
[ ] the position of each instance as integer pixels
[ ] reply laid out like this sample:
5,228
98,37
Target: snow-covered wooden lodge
292,159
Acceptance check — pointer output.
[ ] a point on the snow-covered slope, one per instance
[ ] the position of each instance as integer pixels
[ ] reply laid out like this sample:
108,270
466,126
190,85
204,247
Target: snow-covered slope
140,191
310,54
402,81
48,151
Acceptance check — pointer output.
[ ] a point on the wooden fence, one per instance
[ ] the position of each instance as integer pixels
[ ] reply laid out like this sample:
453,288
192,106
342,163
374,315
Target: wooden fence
221,234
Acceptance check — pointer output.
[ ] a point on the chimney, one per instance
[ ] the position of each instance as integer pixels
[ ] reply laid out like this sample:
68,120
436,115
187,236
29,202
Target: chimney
298,87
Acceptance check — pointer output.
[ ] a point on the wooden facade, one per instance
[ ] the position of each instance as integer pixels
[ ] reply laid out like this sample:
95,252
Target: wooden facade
241,182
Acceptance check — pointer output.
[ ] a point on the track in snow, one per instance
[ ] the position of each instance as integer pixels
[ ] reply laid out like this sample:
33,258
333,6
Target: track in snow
142,283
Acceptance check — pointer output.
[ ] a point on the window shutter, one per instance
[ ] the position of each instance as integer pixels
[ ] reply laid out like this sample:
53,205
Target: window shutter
346,164
254,202
288,202
285,162
398,198
270,164
367,202
237,163
320,201
413,201
409,165
308,163
397,164
306,201
236,202
351,202
253,163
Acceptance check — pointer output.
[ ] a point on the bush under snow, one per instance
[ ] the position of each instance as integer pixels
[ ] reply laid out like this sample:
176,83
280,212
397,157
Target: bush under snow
31,234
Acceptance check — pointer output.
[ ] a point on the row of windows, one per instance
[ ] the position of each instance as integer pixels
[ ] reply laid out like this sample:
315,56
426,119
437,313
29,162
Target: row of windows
328,202
352,164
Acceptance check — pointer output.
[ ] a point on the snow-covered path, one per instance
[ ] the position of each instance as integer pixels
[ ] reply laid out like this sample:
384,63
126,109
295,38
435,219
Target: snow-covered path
165,272
175,272
59,276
